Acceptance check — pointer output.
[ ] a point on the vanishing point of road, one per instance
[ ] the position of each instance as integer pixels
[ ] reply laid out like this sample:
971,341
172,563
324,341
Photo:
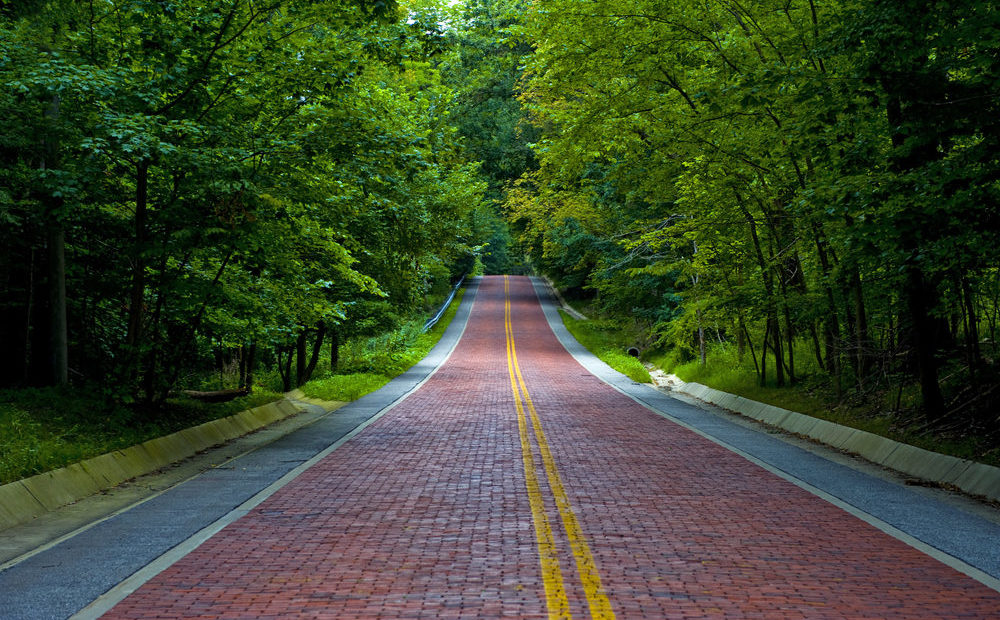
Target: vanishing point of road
512,481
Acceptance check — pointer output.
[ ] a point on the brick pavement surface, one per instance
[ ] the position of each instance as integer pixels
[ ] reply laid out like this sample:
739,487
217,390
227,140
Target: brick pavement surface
425,514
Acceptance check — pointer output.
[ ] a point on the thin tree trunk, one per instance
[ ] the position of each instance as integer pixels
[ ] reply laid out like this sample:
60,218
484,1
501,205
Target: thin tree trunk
702,356
314,357
763,354
133,334
59,331
972,329
994,317
831,326
300,358
334,349
817,350
779,356
741,339
749,341
790,338
862,341
242,365
285,367
248,356
29,309
772,313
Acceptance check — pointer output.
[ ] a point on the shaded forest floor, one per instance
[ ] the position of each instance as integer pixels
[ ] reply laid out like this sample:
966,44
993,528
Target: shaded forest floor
888,407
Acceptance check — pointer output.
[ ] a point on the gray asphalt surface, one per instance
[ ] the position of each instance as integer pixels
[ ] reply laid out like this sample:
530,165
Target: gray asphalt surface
64,579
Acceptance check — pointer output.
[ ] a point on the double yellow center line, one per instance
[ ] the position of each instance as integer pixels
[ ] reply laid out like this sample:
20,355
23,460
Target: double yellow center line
555,588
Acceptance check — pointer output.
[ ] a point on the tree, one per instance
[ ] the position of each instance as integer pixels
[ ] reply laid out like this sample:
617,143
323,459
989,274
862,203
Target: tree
834,166
227,175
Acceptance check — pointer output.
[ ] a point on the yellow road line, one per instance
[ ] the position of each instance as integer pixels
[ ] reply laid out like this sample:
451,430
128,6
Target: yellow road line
555,589
597,599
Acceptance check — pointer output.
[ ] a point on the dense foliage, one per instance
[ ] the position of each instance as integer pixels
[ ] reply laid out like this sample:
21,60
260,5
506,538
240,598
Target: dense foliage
812,184
807,188
193,183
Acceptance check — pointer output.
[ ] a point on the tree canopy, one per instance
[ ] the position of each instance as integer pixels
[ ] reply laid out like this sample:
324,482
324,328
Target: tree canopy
812,184
186,176
791,174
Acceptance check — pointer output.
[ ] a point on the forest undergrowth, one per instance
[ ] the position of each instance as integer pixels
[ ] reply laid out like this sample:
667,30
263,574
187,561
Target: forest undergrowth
42,429
888,407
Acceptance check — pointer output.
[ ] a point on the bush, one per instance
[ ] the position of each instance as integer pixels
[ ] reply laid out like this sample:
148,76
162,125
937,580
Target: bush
609,340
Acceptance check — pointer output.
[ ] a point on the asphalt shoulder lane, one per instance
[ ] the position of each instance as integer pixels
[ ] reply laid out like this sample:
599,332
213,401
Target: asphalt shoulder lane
63,579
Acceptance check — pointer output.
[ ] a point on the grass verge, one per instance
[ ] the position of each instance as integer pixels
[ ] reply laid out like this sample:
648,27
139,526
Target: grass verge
42,429
812,396
46,428
371,363
609,342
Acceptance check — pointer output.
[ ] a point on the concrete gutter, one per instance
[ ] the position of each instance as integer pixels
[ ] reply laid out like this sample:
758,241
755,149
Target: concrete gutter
568,309
971,477
24,500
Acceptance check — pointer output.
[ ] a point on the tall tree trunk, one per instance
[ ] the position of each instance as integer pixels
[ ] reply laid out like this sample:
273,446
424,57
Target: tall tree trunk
749,341
285,367
133,335
789,331
772,328
912,152
334,349
59,331
242,357
923,340
763,353
817,350
972,328
741,339
251,367
702,354
58,345
314,356
779,356
28,318
248,356
831,326
862,340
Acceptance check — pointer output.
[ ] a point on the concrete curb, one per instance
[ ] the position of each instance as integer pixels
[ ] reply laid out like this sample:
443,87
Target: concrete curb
23,500
568,309
973,478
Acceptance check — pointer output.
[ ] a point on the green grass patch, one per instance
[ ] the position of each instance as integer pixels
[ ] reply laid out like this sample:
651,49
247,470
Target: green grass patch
812,396
609,341
47,428
724,371
344,387
368,364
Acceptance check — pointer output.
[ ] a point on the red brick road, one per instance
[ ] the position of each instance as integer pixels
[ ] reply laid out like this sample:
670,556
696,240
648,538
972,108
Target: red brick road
426,514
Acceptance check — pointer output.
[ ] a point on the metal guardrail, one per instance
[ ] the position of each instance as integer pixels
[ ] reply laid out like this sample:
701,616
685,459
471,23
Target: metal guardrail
431,322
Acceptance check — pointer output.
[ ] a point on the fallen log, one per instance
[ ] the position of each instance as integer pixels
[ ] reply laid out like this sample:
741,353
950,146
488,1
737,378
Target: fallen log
217,396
